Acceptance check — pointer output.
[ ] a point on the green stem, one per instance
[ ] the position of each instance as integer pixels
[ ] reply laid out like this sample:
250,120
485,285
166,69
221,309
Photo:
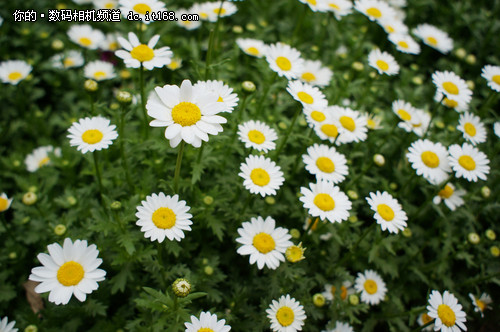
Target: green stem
283,142
433,114
240,117
265,93
122,150
97,172
178,166
143,101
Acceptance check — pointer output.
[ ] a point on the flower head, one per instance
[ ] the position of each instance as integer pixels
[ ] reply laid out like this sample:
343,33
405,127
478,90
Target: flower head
40,157
383,62
447,312
325,200
261,175
388,212
136,53
85,36
371,286
207,323
14,71
492,75
468,162
257,135
286,314
91,134
434,37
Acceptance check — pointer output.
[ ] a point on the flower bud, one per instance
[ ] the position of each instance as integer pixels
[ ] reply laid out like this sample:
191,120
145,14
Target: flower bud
319,300
248,86
91,85
295,233
270,200
485,191
470,59
31,328
60,229
57,45
295,253
407,232
490,234
353,299
237,29
208,200
208,270
181,287
29,198
116,205
124,97
495,251
473,238
352,194
358,66
379,160
460,53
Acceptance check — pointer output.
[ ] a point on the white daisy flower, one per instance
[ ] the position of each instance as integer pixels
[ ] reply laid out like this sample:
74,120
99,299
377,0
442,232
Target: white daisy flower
40,157
496,128
403,110
434,37
99,70
352,125
253,47
71,59
468,162
140,7
329,128
68,270
5,202
175,64
472,128
308,95
315,73
5,326
14,71
257,135
105,4
136,53
325,200
286,314
110,42
204,10
228,9
92,134
341,327
482,303
189,113
339,7
375,10
452,86
383,62
394,26
207,323
452,198
430,160
404,43
261,175
424,319
325,163
188,25
315,116
456,103
225,94
331,291
163,217
85,36
388,212
447,312
265,243
284,60
373,121
371,286
492,75
414,120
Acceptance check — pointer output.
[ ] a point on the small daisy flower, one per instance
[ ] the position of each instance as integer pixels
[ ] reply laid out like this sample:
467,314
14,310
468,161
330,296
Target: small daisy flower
315,73
68,270
492,75
325,200
188,25
295,253
373,122
5,326
482,303
388,212
472,128
228,9
163,217
452,86
5,202
315,116
85,36
331,291
110,42
40,157
371,286
284,60
424,319
71,59
375,10
188,112
468,162
207,323
261,175
225,94
403,109
265,243
99,70
175,64
456,103
383,62
404,43
339,7
341,327
394,26
352,125
452,198
429,159
447,312
329,128
286,314
140,7
136,53
253,47
105,4
14,71
308,95
420,121
325,163
434,37
257,135
92,134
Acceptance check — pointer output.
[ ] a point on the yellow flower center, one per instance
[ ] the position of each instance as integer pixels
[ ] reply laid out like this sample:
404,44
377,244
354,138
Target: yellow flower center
334,6
370,286
375,12
173,65
256,136
430,159
142,53
426,318
496,79
283,63
385,211
305,97
14,76
308,77
370,123
450,103
312,2
68,62
85,41
92,136
348,123
164,218
70,273
253,51
446,314
470,129
203,15
3,204
382,64
186,114
205,329
222,11
220,100
113,46
324,202
264,243
467,162
260,177
446,192
389,29
433,41
43,162
330,130
142,8
325,164
404,115
99,75
294,254
403,44
481,305
343,292
285,316
318,116
450,87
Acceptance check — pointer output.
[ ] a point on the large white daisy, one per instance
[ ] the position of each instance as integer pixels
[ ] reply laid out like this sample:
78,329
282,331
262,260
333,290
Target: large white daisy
452,198
40,157
99,70
207,323
225,94
261,175
286,314
85,36
14,71
91,134
388,212
371,286
284,60
308,95
383,62
326,163
325,200
434,37
468,162
452,86
447,312
253,47
257,135
430,160
136,53
472,128
492,75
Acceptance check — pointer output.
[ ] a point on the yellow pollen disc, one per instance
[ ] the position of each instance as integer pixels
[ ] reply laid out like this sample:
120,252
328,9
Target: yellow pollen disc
85,41
446,192
450,87
382,64
330,130
222,11
370,123
333,289
260,177
142,8
285,316
264,243
308,77
305,97
430,159
109,5
253,51
173,65
467,162
205,329
481,305
318,116
325,164
389,29
375,12
186,114
404,115
446,314
283,63
343,292
164,218
470,129
14,76
203,15
312,2
220,100
496,79
334,6
426,318
433,41
142,53
450,103
92,136
370,286
99,75
385,211
324,202
294,254
403,44
3,204
348,123
256,137
70,273
68,62
113,46
43,162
